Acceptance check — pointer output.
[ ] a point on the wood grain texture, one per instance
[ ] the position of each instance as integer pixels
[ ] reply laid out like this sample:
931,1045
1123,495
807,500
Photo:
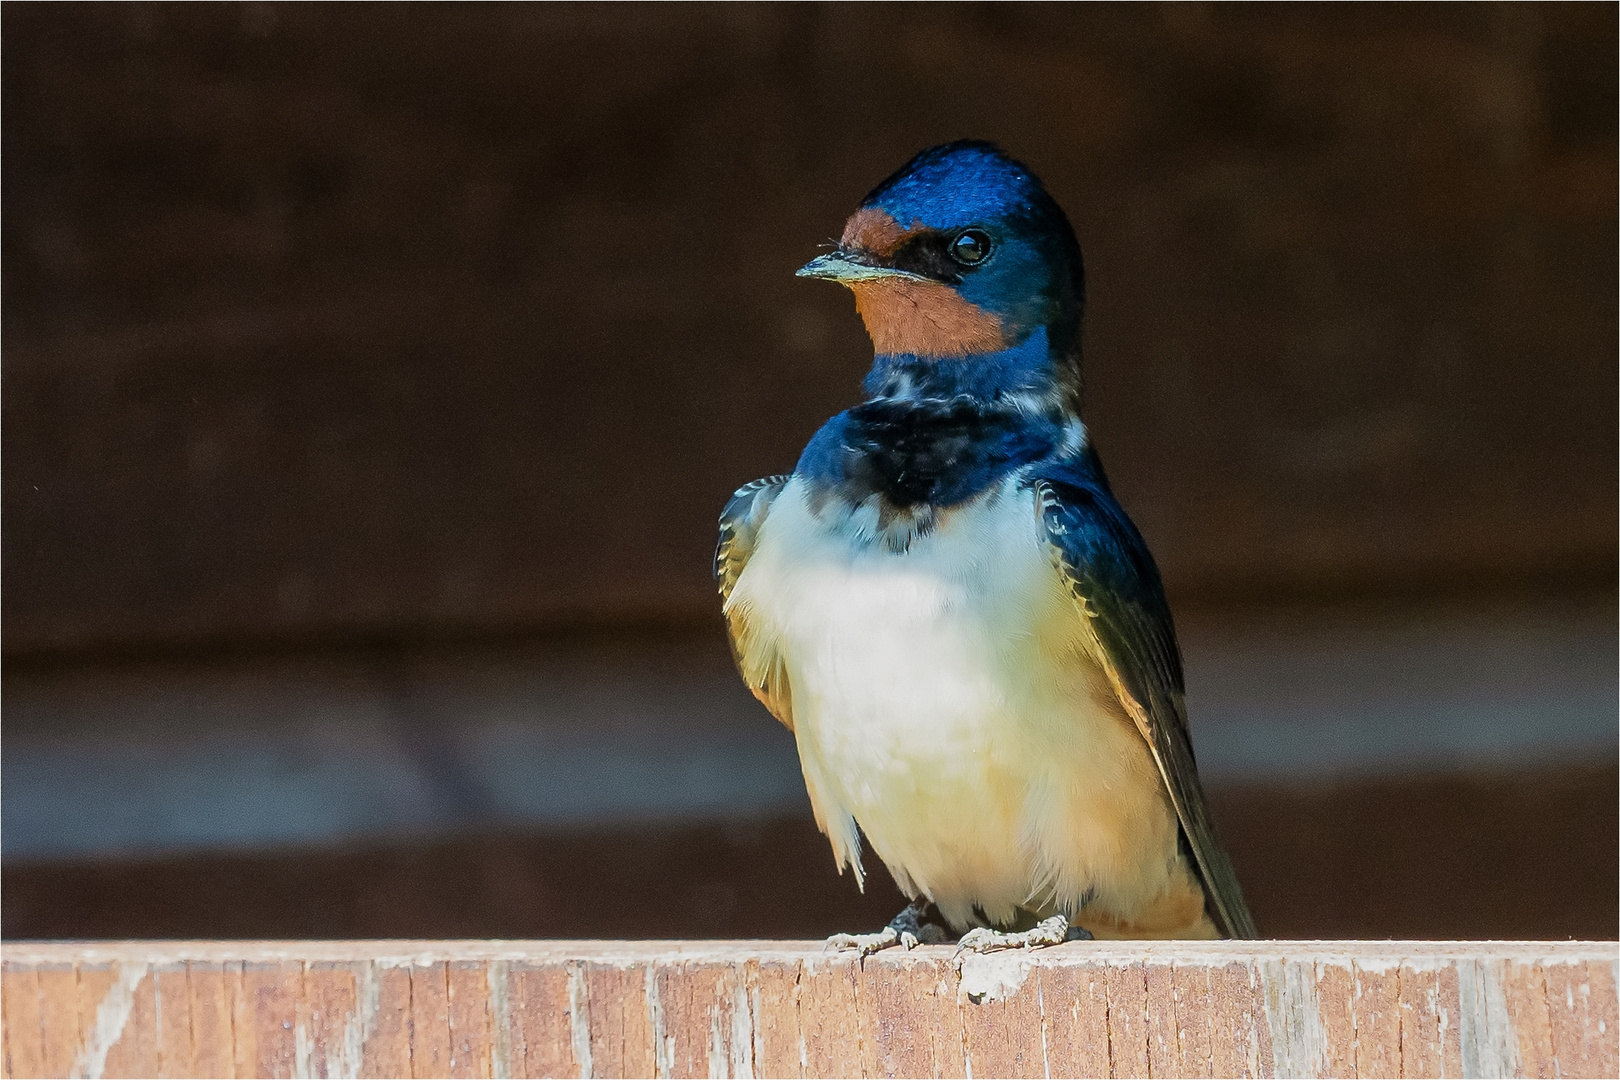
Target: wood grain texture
1377,1010
172,1003
59,1018
20,1011
331,1016
387,1043
1127,1018
778,1046
692,1009
1335,1003
266,1018
1242,1037
1418,997
1190,992
1075,1005
472,1041
542,1019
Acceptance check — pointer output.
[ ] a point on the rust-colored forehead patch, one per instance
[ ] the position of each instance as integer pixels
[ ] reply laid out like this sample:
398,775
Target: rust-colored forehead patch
871,229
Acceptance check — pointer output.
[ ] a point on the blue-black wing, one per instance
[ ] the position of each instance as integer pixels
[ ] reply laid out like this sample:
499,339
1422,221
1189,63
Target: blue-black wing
1113,578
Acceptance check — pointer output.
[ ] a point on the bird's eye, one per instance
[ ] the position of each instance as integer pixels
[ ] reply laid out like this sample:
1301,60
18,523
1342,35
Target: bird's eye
970,247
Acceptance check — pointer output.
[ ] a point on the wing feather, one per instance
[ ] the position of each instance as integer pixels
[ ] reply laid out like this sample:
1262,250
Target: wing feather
740,522
1112,577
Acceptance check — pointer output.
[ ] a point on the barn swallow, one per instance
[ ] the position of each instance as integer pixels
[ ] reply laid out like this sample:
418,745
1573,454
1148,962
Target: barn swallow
949,609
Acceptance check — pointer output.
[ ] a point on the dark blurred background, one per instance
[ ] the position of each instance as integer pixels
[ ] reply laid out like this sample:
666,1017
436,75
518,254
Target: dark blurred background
373,376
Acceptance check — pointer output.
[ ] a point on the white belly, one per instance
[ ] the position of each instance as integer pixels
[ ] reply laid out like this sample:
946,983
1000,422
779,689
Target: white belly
941,699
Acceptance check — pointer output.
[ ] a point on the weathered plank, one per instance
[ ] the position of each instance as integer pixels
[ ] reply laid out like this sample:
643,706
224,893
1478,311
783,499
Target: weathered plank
678,1009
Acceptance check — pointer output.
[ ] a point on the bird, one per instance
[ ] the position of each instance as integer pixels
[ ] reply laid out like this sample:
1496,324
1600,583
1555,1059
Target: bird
947,606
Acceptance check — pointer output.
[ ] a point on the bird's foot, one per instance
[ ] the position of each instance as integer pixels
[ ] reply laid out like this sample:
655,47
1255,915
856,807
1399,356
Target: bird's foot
864,944
914,926
1053,931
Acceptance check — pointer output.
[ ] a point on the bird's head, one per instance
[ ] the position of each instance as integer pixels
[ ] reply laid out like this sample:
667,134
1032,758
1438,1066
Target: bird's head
967,275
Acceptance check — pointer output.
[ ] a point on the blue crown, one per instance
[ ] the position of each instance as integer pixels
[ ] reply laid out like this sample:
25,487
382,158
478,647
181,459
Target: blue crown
959,183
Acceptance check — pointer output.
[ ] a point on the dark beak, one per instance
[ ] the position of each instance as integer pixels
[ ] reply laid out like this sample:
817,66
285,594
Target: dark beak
847,267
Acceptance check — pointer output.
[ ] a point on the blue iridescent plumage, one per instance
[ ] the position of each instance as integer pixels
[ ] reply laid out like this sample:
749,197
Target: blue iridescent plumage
970,280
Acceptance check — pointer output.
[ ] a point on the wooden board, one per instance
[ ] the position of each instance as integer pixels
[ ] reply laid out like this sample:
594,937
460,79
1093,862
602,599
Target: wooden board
500,1009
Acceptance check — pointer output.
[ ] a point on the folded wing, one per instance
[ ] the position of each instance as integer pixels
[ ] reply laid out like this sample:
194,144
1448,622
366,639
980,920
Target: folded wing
740,522
1113,579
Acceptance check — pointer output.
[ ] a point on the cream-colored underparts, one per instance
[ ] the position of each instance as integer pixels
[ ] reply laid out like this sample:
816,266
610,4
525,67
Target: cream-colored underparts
947,698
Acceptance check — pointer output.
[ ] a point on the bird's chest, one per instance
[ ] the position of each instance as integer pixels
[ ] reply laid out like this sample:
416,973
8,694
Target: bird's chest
921,676
944,697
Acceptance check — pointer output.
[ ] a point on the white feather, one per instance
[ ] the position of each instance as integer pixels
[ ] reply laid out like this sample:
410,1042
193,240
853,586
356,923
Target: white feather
944,699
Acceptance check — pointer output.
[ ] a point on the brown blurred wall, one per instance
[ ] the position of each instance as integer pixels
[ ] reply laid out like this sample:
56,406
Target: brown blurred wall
326,320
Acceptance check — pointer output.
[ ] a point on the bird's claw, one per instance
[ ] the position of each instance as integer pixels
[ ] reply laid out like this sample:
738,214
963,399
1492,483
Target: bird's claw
914,926
867,944
1053,931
